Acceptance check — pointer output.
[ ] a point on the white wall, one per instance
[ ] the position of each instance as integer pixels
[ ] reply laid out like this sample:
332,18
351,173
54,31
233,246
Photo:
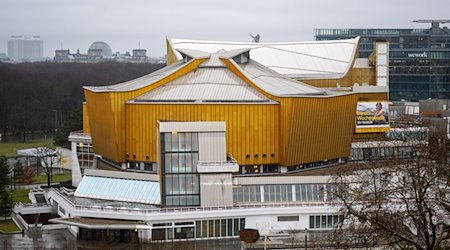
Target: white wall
216,190
269,224
75,165
212,146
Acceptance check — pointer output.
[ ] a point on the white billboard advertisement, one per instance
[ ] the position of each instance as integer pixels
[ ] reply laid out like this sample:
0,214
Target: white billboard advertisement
372,115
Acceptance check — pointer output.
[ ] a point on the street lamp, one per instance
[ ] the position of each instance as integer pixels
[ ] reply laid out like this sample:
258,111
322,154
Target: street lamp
56,120
306,238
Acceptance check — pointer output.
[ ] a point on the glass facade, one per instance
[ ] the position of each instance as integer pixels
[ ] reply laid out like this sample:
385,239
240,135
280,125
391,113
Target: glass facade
180,180
324,221
419,59
280,193
85,154
200,229
143,166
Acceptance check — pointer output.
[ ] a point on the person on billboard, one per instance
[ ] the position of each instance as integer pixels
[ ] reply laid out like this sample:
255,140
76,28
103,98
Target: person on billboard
379,112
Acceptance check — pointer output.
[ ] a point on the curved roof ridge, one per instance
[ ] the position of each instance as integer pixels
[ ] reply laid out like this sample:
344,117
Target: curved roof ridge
178,40
273,74
139,82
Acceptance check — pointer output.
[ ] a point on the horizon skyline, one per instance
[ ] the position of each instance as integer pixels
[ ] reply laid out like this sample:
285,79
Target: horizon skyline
76,25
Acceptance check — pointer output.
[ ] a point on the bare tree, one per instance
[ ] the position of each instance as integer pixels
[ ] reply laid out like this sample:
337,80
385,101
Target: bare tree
27,176
397,202
47,158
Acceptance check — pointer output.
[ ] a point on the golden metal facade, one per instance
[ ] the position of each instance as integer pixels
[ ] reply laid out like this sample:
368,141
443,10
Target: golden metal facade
252,135
86,128
316,129
294,131
107,115
358,75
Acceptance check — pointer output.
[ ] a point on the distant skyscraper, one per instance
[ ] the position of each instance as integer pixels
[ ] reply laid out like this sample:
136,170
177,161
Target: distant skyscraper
24,48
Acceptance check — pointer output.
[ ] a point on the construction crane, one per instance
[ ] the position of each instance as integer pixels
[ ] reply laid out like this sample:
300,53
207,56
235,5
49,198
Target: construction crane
431,21
434,24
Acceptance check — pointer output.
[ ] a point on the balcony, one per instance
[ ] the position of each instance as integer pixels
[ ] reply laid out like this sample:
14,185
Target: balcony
79,136
217,167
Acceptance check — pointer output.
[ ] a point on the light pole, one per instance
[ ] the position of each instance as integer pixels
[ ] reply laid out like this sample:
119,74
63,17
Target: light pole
56,120
306,238
14,175
429,82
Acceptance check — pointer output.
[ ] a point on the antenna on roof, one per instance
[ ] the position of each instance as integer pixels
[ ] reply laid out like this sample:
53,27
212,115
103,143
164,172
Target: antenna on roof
255,38
139,45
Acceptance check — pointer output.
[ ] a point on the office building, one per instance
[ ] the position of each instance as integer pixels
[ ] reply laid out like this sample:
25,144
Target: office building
25,48
419,58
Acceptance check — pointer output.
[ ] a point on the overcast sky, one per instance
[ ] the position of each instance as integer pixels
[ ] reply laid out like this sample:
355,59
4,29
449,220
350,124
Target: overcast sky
75,24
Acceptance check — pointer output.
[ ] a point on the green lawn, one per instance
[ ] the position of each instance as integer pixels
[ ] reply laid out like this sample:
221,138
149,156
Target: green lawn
8,227
9,149
21,195
42,179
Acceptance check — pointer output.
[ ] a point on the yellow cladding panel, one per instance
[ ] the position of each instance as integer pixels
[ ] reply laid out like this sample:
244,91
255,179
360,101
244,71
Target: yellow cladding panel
86,128
107,115
101,122
252,129
358,75
316,129
312,129
372,96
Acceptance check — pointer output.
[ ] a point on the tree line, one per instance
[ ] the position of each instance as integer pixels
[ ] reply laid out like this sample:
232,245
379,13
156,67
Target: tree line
41,96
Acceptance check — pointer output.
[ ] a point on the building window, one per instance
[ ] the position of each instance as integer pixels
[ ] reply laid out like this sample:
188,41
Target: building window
281,193
142,166
277,193
309,192
85,154
179,158
288,218
247,194
324,221
220,228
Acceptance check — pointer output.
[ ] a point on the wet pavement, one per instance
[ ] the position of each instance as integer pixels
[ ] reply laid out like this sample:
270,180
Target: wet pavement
63,239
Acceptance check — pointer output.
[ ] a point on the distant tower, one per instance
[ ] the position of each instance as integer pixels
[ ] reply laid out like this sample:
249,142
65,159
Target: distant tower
24,48
255,38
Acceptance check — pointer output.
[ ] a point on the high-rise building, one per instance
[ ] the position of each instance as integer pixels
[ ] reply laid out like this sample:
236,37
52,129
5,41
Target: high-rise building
24,48
419,58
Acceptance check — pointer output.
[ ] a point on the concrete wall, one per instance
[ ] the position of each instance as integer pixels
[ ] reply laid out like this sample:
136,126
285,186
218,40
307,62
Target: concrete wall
433,106
212,146
216,189
75,165
271,225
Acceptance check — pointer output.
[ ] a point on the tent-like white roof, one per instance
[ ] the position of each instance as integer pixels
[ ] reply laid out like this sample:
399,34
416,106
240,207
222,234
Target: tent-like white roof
300,60
212,81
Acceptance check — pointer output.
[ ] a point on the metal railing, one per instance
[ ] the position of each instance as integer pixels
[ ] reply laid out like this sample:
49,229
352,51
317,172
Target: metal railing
217,163
20,206
186,209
